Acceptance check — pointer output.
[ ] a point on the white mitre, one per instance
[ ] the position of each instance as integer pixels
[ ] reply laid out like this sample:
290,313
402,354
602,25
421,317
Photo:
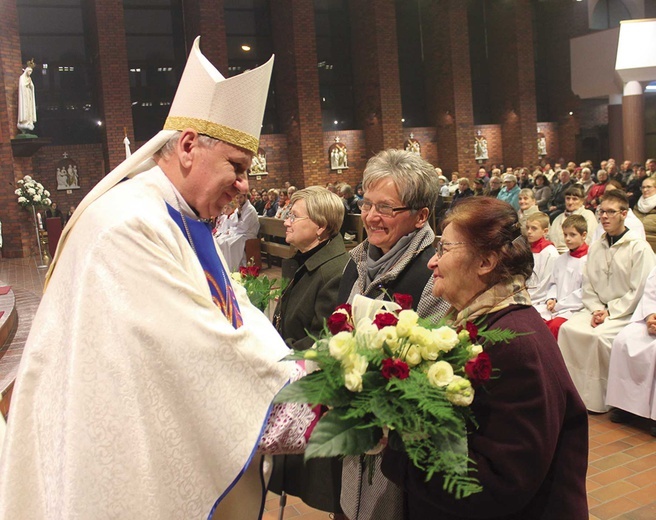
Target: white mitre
229,109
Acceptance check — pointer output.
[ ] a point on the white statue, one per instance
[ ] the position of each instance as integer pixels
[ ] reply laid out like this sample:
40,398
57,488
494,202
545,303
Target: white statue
542,145
26,100
480,147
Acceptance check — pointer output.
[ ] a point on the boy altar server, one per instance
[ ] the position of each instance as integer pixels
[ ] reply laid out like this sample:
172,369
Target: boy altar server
544,258
147,379
565,291
613,282
632,372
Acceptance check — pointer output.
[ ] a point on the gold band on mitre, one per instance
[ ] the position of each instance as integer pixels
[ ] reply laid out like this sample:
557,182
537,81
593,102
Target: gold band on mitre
215,130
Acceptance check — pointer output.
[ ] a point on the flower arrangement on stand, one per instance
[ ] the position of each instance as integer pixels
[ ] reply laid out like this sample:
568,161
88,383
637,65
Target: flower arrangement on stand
32,194
261,289
383,369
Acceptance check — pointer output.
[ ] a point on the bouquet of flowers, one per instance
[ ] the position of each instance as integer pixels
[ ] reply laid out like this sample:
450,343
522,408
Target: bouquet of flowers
383,369
32,193
260,289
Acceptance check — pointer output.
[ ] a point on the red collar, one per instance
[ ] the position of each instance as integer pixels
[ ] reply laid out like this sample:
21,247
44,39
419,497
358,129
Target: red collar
580,251
539,245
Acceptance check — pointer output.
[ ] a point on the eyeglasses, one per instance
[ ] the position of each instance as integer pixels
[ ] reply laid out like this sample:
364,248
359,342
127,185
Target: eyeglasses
384,209
643,188
293,218
440,247
609,212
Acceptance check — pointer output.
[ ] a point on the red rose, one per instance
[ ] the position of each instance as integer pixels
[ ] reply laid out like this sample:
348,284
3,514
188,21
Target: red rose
479,369
385,319
251,270
472,329
394,368
345,307
338,322
404,300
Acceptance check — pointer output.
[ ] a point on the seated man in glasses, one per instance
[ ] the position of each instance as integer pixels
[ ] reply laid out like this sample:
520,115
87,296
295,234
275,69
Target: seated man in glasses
613,283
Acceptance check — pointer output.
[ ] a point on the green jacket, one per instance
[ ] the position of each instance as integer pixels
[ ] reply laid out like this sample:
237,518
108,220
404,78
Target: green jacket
312,295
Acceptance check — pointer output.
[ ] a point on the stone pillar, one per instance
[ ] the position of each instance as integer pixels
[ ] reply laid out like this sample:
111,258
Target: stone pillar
297,90
633,122
448,81
112,76
206,18
376,82
615,134
510,30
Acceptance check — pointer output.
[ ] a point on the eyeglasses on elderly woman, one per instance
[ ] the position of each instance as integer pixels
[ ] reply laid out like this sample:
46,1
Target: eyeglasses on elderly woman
384,209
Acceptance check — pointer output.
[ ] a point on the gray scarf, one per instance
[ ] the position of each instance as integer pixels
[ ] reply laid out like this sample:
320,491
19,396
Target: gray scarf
378,263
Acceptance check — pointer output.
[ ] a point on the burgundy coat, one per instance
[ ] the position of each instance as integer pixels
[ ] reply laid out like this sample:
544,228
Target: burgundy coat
531,447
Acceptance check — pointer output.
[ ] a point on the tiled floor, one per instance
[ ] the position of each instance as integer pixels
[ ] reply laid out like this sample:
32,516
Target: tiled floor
621,472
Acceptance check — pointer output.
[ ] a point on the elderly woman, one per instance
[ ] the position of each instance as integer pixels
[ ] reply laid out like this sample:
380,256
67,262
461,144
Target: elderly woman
399,190
510,191
527,206
313,225
464,190
542,191
530,447
645,209
271,206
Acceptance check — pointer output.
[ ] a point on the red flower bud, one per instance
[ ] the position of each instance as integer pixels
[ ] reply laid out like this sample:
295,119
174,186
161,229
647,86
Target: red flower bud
394,368
338,322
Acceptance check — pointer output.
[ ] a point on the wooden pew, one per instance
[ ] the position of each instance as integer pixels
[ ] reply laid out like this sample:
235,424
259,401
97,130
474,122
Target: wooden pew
272,228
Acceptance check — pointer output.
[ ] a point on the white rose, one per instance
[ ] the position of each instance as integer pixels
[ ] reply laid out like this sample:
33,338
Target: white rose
407,320
429,352
445,338
20,182
355,363
475,350
27,178
420,336
388,335
47,202
341,345
460,391
353,381
237,277
440,374
46,193
22,200
37,198
31,191
413,356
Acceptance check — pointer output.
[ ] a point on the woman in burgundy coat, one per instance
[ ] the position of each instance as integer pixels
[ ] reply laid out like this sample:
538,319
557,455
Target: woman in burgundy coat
531,445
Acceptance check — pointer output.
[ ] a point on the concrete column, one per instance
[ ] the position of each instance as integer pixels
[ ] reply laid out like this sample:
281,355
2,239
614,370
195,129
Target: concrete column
633,122
615,137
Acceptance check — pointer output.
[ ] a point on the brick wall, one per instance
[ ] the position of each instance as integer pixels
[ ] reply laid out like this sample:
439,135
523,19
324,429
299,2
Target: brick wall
494,138
427,139
550,131
206,18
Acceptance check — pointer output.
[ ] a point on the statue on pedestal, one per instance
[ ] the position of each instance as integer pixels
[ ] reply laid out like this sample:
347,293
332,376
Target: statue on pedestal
26,100
480,147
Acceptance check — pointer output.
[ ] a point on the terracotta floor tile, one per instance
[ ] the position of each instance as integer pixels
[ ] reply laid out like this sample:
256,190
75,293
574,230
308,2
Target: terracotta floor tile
612,436
613,447
614,490
647,448
615,460
644,495
612,475
643,463
613,508
644,513
643,478
591,485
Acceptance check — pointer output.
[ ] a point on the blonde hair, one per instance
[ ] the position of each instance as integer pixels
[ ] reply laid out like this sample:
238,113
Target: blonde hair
324,207
540,218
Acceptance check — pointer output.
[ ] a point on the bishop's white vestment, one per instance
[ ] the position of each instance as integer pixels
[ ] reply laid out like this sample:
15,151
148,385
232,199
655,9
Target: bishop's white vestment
613,280
632,372
136,397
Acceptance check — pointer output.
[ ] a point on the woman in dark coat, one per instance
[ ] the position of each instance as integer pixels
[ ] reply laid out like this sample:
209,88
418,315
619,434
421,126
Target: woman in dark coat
531,446
313,226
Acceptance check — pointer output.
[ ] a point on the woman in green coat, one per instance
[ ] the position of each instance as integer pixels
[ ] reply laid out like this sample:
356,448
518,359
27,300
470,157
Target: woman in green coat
312,225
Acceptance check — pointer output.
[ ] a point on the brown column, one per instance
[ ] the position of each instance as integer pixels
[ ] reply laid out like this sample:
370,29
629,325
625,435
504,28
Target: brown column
448,80
19,236
510,32
633,122
297,89
376,74
206,18
615,137
113,82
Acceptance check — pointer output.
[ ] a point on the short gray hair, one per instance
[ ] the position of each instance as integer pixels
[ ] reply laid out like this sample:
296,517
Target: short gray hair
414,178
167,149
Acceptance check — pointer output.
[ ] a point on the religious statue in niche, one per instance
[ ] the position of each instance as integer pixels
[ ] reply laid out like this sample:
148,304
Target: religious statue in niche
338,156
68,176
26,101
259,164
412,145
542,144
480,147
